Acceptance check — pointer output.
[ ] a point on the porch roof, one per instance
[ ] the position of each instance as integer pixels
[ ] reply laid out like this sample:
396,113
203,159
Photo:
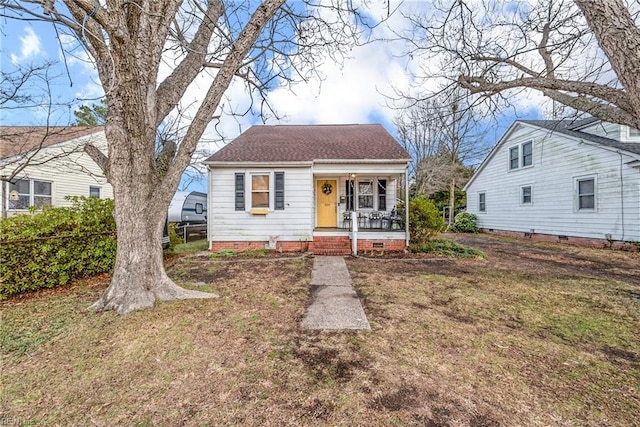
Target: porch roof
339,143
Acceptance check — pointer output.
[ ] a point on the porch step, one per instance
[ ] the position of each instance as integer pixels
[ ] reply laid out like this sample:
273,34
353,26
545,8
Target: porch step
330,245
332,252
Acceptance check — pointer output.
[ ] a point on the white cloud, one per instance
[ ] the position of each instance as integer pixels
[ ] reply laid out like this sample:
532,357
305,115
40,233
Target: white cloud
30,46
350,93
356,90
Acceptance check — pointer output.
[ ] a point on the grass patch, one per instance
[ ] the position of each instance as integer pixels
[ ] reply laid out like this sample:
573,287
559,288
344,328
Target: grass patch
513,340
448,248
195,246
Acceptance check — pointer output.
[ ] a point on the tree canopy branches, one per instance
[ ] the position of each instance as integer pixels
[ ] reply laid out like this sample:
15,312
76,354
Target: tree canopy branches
580,53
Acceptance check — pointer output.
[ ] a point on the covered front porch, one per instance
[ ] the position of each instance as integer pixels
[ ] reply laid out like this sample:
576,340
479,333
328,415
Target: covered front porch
359,210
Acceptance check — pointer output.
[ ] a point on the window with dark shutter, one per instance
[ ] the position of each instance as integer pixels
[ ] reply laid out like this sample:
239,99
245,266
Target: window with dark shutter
279,193
240,191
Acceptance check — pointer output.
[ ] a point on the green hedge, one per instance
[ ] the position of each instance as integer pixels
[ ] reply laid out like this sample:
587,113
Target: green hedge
57,245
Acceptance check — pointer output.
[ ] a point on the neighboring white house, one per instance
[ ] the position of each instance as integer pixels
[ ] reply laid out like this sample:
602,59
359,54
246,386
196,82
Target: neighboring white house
40,166
561,180
296,188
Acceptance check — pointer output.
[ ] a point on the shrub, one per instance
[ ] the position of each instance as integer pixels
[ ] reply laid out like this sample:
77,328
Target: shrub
55,246
424,220
174,239
465,222
447,248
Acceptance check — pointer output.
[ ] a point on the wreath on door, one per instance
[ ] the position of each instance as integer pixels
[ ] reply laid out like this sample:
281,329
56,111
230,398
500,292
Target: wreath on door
327,188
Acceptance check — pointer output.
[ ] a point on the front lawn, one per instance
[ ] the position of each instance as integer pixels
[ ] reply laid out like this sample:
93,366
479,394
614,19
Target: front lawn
518,338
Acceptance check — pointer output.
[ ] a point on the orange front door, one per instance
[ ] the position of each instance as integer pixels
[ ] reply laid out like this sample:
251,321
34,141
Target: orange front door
326,199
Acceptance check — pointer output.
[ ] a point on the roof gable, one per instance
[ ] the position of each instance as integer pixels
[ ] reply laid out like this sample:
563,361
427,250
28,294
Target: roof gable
15,140
564,127
296,143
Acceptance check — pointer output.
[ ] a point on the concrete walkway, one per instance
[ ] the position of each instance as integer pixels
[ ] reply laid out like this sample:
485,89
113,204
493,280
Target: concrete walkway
334,302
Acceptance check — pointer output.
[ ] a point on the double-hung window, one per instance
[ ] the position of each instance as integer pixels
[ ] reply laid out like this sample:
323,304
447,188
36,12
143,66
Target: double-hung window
482,202
29,192
527,154
514,157
365,194
521,156
586,188
525,197
94,191
260,191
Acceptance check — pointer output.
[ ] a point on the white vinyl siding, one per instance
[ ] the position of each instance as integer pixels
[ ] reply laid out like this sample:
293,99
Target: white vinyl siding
295,222
558,161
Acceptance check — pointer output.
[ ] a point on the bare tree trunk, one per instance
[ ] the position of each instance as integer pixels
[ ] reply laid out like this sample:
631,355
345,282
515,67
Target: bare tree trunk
139,277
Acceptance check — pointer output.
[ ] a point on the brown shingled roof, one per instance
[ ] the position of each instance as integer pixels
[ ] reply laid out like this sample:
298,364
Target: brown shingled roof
16,140
286,143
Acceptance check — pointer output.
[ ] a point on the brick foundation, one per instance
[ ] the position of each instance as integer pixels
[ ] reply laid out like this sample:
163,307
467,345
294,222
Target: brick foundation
283,246
321,245
397,245
570,240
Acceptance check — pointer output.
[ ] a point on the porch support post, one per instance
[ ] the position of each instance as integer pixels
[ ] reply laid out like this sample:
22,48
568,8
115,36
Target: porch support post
354,233
406,205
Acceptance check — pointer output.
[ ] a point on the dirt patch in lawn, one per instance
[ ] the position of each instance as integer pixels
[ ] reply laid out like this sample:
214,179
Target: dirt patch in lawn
534,335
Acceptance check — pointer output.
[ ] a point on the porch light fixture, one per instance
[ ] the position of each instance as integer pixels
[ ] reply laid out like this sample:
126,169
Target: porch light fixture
353,175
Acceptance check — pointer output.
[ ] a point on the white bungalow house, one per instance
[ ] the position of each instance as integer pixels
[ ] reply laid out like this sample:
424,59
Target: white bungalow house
316,188
40,166
561,180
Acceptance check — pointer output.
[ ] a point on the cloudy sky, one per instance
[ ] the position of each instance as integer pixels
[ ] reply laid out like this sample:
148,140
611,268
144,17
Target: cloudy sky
353,92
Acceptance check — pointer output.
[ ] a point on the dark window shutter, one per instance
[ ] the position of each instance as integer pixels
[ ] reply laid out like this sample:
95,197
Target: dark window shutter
350,191
279,205
239,191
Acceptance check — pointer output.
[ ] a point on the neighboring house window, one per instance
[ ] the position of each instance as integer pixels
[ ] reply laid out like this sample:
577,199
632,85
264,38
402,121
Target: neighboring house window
586,193
30,193
260,191
365,195
482,202
94,192
514,159
239,192
526,195
527,154
382,194
279,191
521,155
634,133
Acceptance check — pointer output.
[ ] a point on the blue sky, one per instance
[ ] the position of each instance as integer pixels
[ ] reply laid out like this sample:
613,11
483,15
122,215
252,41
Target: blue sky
353,92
